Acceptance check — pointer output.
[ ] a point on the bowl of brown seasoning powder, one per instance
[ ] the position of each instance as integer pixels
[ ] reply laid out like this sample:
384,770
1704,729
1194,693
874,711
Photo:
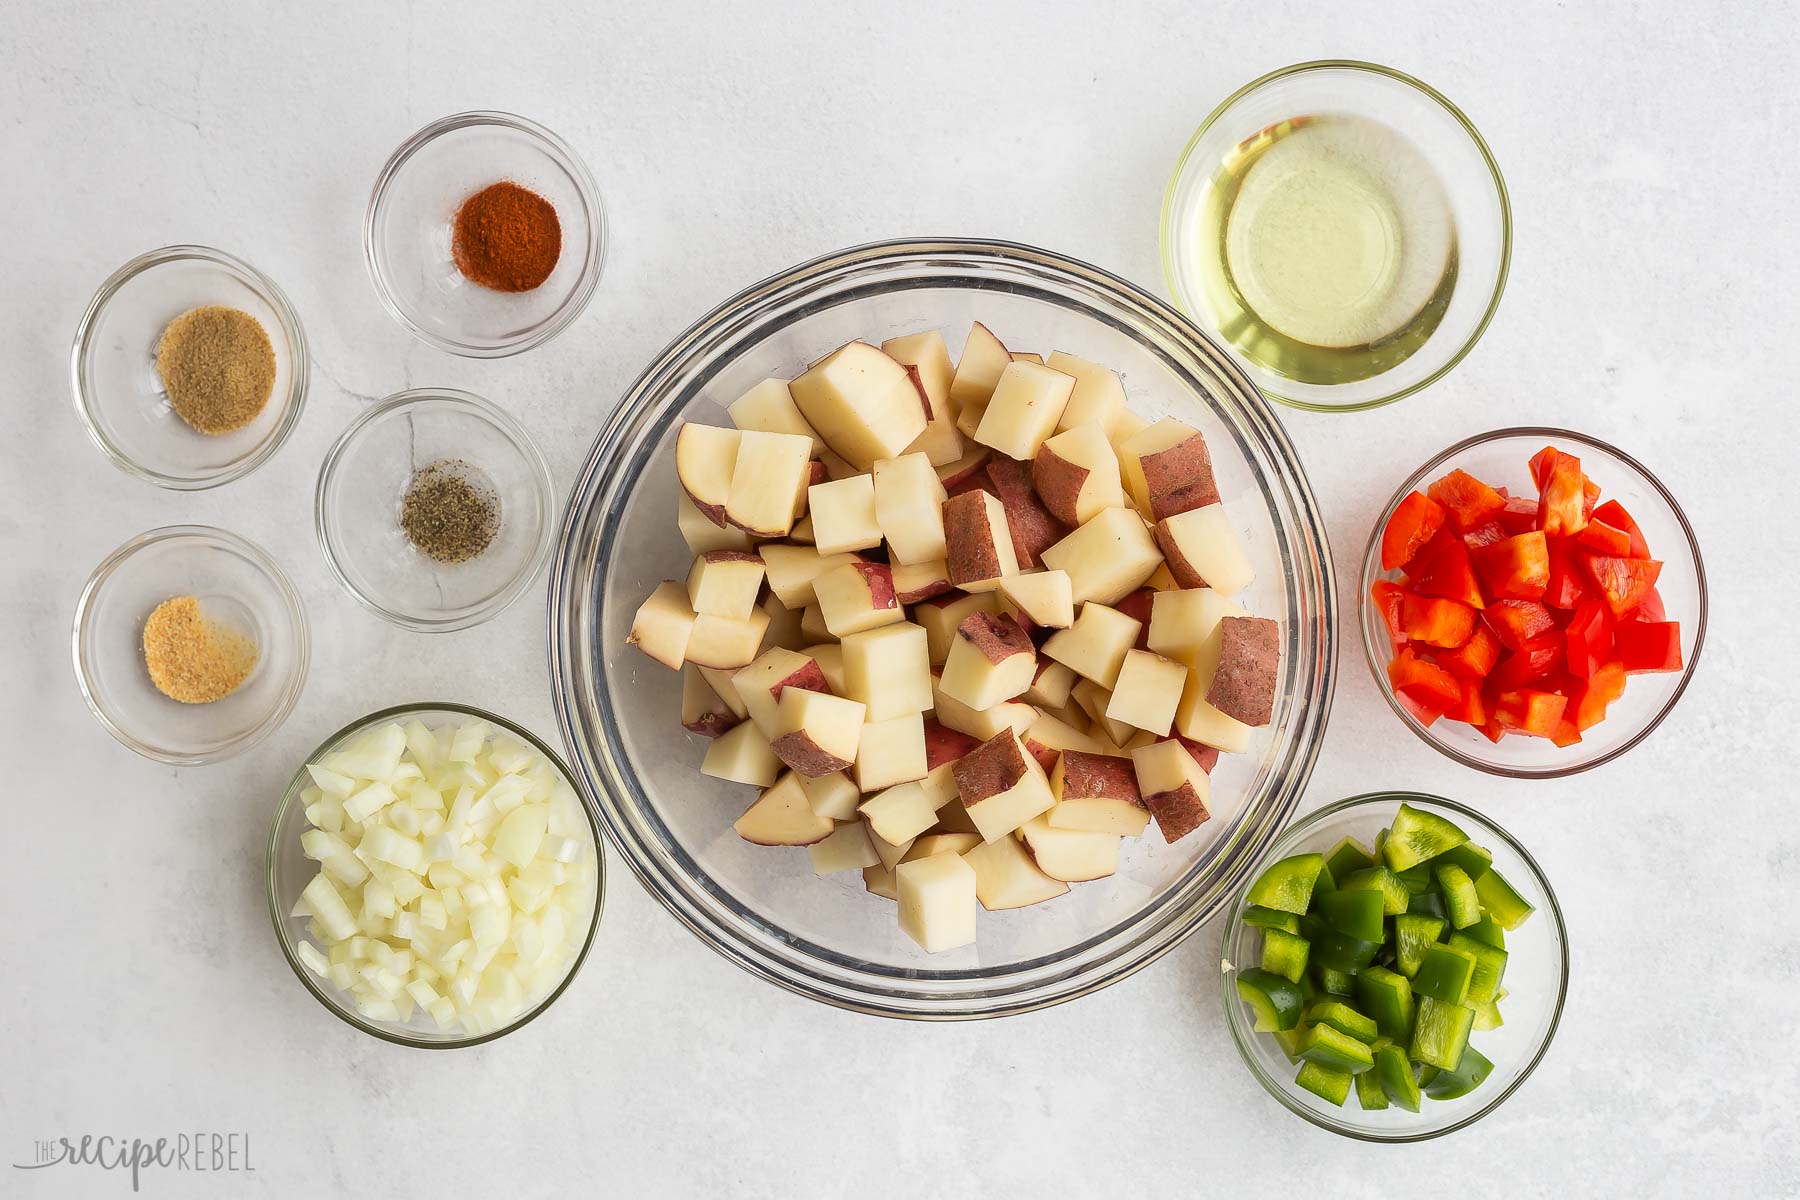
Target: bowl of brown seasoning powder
189,367
434,509
485,234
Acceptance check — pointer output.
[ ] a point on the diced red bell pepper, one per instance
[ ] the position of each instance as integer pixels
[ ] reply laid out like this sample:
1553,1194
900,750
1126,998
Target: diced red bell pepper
1437,622
1533,662
1566,734
1515,569
1443,568
1493,731
1562,508
1622,582
1519,515
1541,462
1475,657
1388,598
1590,496
1568,582
1590,702
1489,534
1614,514
1467,501
1472,709
1602,538
1652,607
1425,683
1648,646
1416,518
1515,622
1528,711
1590,637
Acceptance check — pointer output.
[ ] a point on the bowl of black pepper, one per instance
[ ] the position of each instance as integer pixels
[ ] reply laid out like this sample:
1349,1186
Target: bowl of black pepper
434,510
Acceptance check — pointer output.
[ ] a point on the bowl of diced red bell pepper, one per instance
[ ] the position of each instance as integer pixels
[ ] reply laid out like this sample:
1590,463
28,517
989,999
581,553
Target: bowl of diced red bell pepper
1533,602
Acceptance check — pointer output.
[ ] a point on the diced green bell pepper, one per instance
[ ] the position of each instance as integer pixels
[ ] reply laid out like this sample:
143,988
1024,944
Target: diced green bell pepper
1369,1092
1412,935
1394,896
1417,835
1416,879
1490,965
1341,952
1429,903
1275,1000
1331,1086
1285,954
1326,1046
1468,1075
1333,982
1343,1018
1289,1040
1356,914
1460,900
1470,857
1269,918
1441,1033
1397,1079
1488,930
1387,997
1347,858
1324,884
1487,1017
1444,974
1287,886
1502,901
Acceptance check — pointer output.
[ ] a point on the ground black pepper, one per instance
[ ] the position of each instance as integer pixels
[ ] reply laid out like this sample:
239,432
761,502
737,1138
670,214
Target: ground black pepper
449,511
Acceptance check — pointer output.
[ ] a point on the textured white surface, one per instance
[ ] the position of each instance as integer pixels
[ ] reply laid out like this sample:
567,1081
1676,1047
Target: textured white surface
1651,303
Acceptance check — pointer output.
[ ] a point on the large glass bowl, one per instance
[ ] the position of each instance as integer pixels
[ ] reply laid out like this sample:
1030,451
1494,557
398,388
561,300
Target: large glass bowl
764,909
1537,977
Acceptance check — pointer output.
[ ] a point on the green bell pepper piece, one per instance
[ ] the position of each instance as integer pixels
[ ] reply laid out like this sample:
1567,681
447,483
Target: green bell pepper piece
1470,857
1369,1092
1341,952
1343,1018
1331,1086
1417,835
1429,904
1396,1075
1356,914
1347,858
1275,1000
1502,901
1416,879
1333,982
1441,1033
1487,1016
1488,931
1289,1040
1413,934
1285,954
1394,896
1326,1046
1459,895
1387,997
1444,974
1467,1076
1287,886
1269,918
1326,882
1490,965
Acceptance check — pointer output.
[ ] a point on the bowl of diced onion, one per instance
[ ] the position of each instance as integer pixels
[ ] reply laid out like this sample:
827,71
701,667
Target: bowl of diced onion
433,877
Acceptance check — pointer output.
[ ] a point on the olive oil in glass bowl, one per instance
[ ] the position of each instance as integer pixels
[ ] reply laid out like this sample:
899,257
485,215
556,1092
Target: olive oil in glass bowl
1343,229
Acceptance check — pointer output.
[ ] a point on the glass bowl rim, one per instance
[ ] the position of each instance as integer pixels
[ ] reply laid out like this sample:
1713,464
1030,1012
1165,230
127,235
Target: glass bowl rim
1242,1036
1377,657
572,305
1183,163
686,895
278,918
515,433
299,366
271,570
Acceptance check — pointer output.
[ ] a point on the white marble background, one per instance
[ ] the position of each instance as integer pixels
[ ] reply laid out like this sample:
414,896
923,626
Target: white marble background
1649,148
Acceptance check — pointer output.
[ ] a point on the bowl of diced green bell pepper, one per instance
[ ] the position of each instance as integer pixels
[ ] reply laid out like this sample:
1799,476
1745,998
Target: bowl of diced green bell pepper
1396,967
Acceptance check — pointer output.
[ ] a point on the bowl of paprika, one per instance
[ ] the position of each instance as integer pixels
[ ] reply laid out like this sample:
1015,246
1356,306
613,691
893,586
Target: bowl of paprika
485,234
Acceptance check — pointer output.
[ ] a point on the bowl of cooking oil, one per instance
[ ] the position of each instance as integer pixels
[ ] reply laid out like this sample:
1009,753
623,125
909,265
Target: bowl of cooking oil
1343,228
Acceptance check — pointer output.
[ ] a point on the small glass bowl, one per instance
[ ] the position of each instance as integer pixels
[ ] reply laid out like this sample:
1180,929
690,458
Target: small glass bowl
1501,459
236,583
407,233
1537,977
289,871
119,394
365,476
1470,177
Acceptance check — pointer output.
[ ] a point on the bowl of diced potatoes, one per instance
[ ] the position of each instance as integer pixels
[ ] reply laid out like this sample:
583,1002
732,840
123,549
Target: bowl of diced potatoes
434,878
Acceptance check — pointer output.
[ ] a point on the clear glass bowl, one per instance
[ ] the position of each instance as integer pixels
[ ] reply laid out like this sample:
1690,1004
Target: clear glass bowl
1443,135
1537,977
289,871
1501,459
364,477
235,582
764,909
119,394
406,233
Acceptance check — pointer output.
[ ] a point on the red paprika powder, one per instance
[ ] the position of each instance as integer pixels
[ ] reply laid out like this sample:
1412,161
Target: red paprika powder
506,237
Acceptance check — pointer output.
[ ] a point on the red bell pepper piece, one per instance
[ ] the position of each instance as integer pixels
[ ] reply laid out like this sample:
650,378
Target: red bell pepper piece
1562,507
1541,462
1437,622
1443,568
1622,582
1416,518
1424,683
1568,582
1515,622
1651,609
1489,534
1493,731
1515,569
1533,662
1519,515
1614,514
1566,734
1472,709
1388,598
1590,637
1590,496
1528,711
1467,501
1590,702
1475,657
1648,646
1602,538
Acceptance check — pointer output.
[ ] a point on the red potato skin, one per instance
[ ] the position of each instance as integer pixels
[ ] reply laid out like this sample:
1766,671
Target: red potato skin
1205,757
1180,478
930,591
1177,813
994,767
918,382
1249,655
970,553
1033,529
945,745
879,579
1137,607
996,635
712,724
1058,483
800,752
1106,776
810,678
968,472
1184,574
1046,756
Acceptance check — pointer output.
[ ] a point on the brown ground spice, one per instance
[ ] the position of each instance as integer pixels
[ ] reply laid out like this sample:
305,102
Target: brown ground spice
506,238
218,366
192,659
449,512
